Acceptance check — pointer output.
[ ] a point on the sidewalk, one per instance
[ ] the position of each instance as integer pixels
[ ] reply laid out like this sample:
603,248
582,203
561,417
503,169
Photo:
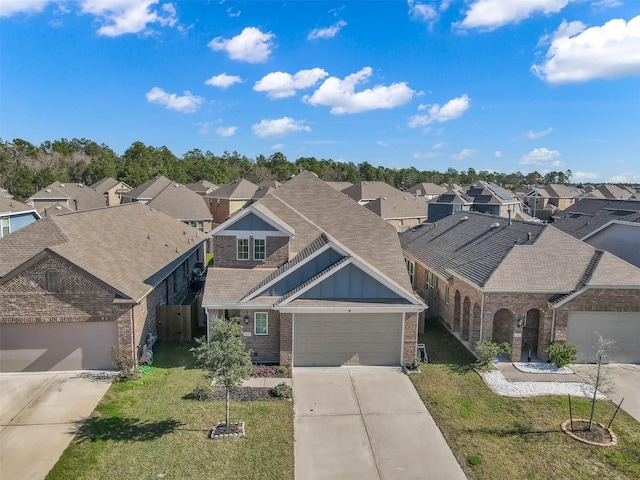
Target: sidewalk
512,374
265,382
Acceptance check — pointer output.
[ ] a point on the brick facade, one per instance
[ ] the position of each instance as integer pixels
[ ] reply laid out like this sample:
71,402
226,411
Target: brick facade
225,252
410,340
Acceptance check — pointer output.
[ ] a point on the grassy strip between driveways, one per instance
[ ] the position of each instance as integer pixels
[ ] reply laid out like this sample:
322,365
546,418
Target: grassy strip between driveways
498,438
146,429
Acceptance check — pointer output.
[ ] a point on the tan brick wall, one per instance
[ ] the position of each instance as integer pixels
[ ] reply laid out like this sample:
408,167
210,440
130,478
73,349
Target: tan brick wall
225,252
219,209
264,348
410,340
286,339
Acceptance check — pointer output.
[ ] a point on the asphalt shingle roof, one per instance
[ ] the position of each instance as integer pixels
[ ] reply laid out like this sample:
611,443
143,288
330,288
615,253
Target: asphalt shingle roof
181,203
130,247
86,197
9,205
589,214
237,190
150,189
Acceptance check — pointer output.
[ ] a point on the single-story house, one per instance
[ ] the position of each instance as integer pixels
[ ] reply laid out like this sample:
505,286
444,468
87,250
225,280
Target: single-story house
74,285
314,279
66,196
528,284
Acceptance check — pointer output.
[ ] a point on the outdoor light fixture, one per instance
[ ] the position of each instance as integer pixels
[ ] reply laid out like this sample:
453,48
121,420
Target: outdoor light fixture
246,319
521,321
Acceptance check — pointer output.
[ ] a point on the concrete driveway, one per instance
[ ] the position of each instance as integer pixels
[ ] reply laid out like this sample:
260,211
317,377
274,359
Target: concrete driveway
626,381
365,423
40,413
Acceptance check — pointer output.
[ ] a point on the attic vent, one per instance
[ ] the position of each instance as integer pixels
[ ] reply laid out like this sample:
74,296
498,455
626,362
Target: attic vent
464,219
58,207
494,225
81,185
384,198
48,190
176,185
62,184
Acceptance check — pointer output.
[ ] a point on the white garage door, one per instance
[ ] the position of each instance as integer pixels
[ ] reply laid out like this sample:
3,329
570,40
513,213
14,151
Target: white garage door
57,346
622,327
347,339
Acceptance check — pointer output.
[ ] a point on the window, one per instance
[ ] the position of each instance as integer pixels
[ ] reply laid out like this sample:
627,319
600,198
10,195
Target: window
434,282
52,281
6,229
259,249
261,323
243,249
411,268
446,294
427,279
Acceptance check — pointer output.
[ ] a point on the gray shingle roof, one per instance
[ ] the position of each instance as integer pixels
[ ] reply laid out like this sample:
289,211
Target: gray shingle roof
150,189
181,203
107,183
9,205
237,190
202,187
85,196
427,189
129,247
589,214
370,190
399,205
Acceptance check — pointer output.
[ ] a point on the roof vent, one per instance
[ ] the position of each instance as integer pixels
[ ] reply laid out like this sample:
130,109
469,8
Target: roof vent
48,190
81,185
58,207
464,219
176,185
529,236
62,184
494,225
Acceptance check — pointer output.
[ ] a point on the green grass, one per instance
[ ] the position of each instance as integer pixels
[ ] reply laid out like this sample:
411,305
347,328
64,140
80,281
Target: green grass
209,260
145,429
499,438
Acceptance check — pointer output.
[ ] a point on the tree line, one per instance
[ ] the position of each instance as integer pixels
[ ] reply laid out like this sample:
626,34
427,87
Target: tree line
26,168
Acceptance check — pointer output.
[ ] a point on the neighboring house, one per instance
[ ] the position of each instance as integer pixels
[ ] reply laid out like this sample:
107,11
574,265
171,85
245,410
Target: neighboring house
185,205
428,190
611,225
70,196
112,190
314,279
202,187
15,215
228,199
492,199
396,207
339,186
148,190
544,201
528,284
450,202
608,191
72,286
5,193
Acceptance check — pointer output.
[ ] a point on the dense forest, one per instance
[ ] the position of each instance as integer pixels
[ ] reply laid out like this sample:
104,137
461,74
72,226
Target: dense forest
26,168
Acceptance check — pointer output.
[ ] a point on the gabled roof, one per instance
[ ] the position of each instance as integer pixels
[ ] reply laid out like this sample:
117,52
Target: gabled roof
487,192
591,214
181,203
107,183
130,248
270,184
427,189
202,187
399,205
237,190
495,255
612,192
454,196
9,205
340,186
365,191
150,189
70,193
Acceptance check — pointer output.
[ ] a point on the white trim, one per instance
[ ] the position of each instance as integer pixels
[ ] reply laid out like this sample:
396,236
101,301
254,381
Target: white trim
404,318
315,254
387,308
238,250
254,249
250,233
280,230
255,324
608,224
365,269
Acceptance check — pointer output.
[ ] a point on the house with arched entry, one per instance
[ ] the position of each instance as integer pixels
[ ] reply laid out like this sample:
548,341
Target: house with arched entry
525,283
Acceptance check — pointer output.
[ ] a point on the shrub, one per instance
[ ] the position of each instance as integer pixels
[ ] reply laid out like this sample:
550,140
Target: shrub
474,460
283,370
488,350
201,394
282,390
124,362
270,371
562,355
413,364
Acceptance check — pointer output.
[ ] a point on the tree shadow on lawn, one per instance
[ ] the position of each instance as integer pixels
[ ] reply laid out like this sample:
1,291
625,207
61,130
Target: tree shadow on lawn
125,429
173,354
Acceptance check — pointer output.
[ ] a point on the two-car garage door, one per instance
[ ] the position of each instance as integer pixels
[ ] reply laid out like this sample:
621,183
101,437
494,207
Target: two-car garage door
621,327
57,346
347,339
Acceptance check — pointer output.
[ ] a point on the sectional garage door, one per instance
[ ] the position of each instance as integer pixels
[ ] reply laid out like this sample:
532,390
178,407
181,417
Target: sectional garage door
347,339
623,327
57,346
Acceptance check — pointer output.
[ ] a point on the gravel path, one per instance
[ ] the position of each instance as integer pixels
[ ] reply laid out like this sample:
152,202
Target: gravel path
538,367
497,382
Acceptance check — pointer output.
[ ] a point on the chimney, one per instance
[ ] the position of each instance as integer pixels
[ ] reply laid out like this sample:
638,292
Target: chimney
75,203
509,212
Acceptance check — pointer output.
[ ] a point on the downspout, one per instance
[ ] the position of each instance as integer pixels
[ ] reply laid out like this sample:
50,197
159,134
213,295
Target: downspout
206,313
481,315
133,333
553,325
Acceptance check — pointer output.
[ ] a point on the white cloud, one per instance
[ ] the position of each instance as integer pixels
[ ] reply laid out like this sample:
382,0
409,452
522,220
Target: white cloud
626,177
464,154
203,127
439,145
606,4
186,103
11,7
427,155
233,13
541,157
223,80
492,14
583,176
277,146
326,33
340,94
498,154
449,111
383,144
283,85
279,127
250,46
535,135
119,17
226,131
421,11
577,55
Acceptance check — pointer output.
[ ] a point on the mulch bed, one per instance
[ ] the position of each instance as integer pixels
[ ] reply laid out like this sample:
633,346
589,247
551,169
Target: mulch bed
243,394
599,435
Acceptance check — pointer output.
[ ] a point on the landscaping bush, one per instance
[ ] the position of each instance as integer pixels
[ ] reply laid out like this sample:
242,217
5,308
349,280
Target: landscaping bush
474,460
413,364
562,355
124,363
488,350
282,390
201,394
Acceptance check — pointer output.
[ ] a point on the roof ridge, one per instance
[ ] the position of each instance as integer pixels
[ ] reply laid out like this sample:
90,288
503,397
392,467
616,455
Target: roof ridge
312,279
314,246
584,279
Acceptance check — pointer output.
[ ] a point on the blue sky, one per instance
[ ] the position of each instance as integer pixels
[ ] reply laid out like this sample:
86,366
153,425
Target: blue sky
502,85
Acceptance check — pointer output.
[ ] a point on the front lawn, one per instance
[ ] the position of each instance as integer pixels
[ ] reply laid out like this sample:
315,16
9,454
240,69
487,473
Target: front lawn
499,438
146,428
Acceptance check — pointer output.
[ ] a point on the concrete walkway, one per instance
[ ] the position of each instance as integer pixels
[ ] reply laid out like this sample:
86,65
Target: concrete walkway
366,423
40,413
